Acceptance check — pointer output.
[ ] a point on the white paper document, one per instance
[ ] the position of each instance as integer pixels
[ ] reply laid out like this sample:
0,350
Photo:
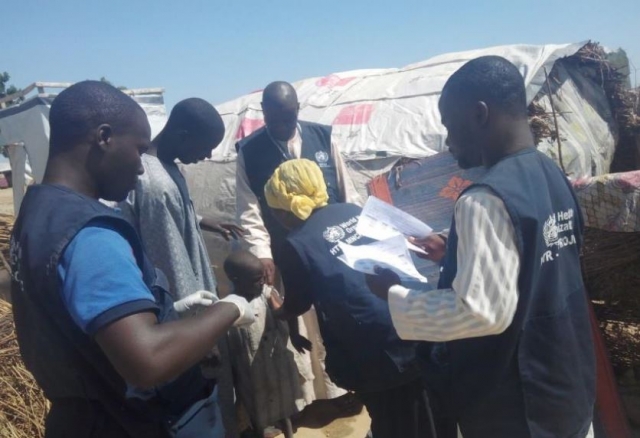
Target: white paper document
381,221
392,253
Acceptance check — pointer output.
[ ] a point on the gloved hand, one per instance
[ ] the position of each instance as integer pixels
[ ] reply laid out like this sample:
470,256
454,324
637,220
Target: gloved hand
247,314
190,302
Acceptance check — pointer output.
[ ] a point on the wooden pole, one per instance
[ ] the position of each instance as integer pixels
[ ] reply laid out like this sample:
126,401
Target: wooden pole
555,122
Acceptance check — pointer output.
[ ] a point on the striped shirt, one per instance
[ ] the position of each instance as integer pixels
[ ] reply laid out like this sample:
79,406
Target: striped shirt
484,294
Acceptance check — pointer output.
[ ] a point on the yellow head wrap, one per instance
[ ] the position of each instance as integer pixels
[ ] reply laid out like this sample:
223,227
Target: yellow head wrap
297,186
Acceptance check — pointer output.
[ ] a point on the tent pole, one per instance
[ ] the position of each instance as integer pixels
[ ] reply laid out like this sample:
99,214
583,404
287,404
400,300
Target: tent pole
555,122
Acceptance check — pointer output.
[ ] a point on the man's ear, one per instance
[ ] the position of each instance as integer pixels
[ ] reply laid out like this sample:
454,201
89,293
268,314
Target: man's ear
104,136
481,113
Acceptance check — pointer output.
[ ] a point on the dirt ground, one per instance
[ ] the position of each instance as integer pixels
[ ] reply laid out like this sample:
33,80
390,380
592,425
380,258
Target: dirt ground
322,420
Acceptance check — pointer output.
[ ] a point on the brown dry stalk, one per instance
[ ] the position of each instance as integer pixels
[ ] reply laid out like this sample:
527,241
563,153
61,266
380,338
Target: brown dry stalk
23,406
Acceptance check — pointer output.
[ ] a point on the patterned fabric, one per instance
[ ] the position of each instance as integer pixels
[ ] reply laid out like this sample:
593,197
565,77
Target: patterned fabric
269,382
162,212
611,202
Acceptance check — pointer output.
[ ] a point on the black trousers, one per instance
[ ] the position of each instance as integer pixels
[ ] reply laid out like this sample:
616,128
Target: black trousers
500,414
402,411
81,418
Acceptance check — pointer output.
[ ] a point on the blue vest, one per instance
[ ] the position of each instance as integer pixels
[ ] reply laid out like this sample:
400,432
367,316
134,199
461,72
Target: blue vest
262,157
364,352
67,363
548,346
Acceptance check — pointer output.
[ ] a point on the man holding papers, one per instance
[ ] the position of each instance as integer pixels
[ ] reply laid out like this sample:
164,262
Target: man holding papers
364,354
514,356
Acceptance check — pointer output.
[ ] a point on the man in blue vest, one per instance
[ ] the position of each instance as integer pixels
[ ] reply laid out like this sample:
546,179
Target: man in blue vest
95,322
284,138
514,356
364,354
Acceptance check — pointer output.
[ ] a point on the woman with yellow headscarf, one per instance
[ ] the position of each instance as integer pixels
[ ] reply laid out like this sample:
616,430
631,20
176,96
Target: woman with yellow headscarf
297,187
364,353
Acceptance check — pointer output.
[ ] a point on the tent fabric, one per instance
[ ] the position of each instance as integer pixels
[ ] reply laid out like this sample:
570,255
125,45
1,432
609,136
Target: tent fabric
588,131
28,123
386,112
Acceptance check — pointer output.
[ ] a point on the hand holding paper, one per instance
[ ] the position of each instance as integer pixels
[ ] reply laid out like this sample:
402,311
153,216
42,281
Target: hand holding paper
392,254
381,221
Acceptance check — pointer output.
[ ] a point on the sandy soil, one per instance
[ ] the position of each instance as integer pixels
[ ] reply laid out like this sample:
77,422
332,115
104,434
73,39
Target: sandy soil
322,420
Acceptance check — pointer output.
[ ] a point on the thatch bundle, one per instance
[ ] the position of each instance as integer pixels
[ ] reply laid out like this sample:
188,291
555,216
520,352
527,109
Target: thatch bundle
541,122
595,64
22,404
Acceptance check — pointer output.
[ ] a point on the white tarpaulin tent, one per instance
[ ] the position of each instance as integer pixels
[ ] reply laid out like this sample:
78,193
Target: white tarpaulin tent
25,127
379,116
394,112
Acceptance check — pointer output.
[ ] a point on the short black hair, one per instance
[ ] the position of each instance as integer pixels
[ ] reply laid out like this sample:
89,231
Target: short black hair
493,80
240,263
84,106
197,117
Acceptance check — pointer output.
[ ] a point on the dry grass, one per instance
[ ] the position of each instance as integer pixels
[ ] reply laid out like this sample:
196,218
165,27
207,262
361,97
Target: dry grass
23,406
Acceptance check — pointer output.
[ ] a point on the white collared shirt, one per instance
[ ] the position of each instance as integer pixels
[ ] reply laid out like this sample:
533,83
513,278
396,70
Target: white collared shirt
248,208
483,298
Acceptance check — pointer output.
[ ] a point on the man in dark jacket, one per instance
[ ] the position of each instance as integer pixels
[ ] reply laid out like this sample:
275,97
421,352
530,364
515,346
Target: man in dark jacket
514,355
95,323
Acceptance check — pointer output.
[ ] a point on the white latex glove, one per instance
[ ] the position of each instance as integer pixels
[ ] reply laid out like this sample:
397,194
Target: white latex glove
190,302
247,314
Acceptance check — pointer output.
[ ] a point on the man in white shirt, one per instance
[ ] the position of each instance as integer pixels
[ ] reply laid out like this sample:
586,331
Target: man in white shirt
284,138
283,135
512,353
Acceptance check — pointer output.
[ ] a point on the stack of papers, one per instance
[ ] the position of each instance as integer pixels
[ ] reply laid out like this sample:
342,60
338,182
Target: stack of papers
381,221
391,227
390,254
